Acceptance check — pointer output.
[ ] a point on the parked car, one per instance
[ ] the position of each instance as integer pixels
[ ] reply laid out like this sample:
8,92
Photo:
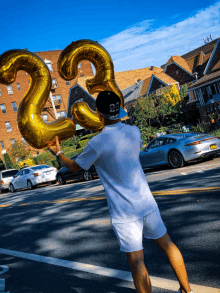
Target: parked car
177,149
65,174
5,178
30,177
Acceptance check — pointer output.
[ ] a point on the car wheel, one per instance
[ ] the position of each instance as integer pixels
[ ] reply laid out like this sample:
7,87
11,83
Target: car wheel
30,185
87,176
12,189
175,159
61,180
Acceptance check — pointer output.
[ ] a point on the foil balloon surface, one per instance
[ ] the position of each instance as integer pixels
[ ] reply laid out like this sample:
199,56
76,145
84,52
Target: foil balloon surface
104,79
35,131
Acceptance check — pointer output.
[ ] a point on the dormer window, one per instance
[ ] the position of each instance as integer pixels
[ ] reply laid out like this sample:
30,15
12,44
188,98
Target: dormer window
80,65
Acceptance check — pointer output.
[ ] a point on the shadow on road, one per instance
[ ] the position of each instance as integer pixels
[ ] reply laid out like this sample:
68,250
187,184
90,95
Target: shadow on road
81,232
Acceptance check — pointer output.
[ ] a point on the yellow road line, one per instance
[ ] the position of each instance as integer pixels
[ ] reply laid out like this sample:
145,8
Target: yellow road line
155,193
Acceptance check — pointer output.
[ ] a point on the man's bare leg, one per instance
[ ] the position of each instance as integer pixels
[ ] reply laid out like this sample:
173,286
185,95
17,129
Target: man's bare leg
176,261
139,272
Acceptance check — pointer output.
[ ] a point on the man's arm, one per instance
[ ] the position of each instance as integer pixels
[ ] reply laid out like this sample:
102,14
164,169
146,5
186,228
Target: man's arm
71,165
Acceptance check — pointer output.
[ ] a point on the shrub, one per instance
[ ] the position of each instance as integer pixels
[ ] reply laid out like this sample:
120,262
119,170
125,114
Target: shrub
216,132
8,162
28,162
2,165
46,158
69,149
82,143
73,153
88,136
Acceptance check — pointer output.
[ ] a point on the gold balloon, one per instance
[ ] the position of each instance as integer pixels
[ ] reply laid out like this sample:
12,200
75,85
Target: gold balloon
104,79
35,131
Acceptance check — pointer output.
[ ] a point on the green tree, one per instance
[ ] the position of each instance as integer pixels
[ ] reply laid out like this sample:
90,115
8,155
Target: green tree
144,113
19,151
8,162
183,93
180,111
145,110
164,112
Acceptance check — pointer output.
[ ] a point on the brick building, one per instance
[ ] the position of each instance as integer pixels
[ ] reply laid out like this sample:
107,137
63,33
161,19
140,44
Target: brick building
56,106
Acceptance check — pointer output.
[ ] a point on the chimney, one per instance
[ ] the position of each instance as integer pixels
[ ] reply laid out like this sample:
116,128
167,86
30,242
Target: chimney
152,68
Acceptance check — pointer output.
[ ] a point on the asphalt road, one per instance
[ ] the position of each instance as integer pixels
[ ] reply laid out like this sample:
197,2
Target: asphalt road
70,225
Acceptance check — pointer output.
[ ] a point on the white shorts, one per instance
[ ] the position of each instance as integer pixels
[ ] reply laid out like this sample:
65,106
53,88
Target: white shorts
130,235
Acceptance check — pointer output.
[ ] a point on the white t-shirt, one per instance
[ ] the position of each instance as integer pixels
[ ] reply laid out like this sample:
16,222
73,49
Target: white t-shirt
115,154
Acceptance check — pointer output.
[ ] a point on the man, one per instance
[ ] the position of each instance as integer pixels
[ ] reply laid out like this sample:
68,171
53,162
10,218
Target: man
133,210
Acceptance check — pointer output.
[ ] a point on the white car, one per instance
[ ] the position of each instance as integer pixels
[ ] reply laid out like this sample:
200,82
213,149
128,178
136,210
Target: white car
32,176
5,178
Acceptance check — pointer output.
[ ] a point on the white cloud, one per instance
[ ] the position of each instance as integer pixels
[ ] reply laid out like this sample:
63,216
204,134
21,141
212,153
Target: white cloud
139,46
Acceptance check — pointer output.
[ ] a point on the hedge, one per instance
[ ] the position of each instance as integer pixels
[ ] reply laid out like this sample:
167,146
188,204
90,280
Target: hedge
88,136
73,153
69,149
82,144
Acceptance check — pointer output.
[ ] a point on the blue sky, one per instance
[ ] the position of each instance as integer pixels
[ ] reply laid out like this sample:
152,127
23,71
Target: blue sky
137,34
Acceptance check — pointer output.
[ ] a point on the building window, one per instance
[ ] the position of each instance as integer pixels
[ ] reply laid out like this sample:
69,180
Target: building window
177,72
3,108
14,106
54,99
12,141
61,114
2,144
67,82
9,88
59,99
45,117
54,83
49,64
213,89
0,92
19,87
8,126
80,65
82,75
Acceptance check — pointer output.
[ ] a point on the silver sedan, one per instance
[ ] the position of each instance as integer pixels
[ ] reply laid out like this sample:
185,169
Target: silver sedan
177,149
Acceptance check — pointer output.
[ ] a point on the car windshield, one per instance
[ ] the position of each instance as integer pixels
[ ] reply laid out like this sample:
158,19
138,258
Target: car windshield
10,173
39,167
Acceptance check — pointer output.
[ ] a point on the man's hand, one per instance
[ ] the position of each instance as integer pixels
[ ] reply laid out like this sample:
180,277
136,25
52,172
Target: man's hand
55,148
